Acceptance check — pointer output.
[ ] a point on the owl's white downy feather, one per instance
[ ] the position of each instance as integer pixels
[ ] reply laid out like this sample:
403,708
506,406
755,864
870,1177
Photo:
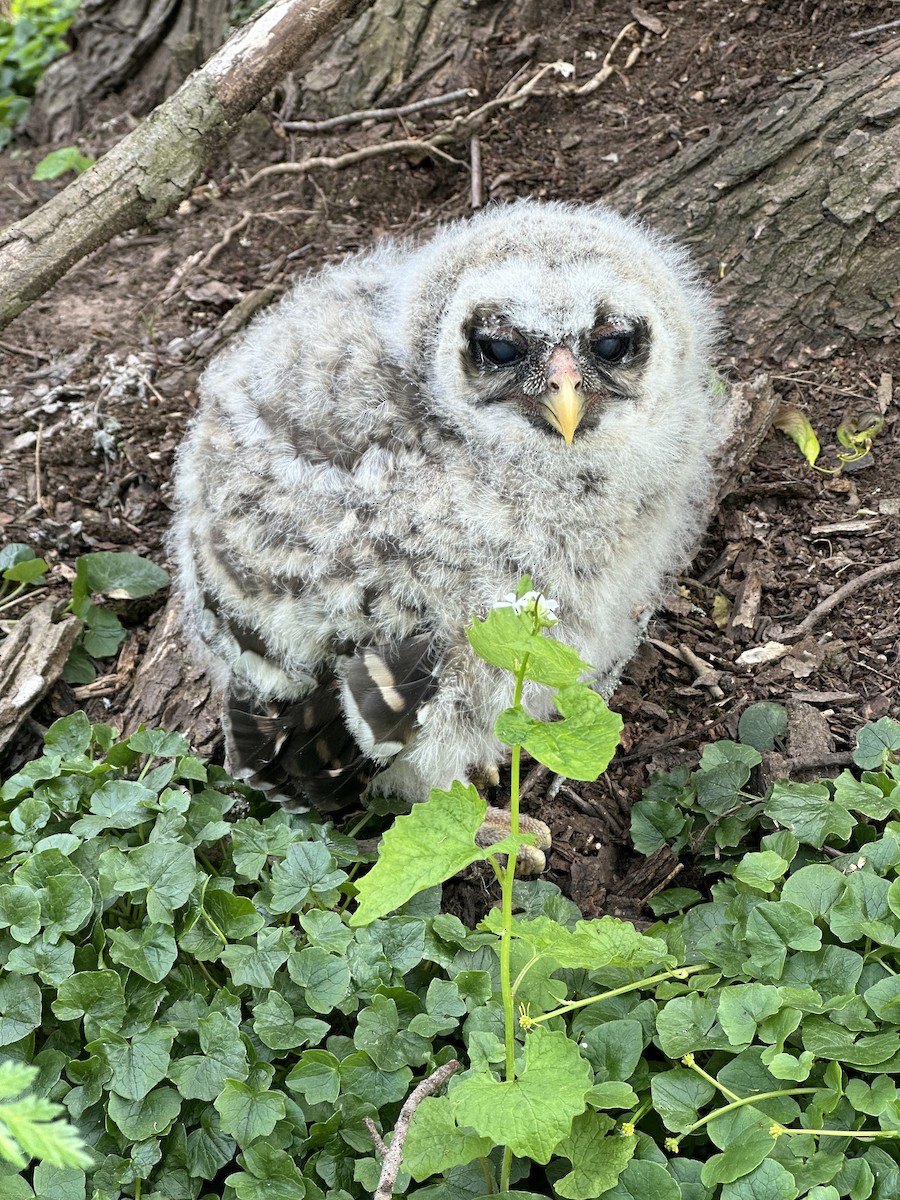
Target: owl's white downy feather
362,478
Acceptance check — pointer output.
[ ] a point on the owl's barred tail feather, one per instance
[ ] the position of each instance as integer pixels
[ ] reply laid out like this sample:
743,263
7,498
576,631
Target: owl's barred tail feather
326,748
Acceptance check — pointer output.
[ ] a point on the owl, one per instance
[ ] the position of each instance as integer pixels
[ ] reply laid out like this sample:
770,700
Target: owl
388,451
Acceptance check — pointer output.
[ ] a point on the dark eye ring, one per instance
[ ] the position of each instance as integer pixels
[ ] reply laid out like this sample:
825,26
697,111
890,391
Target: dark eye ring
612,347
499,352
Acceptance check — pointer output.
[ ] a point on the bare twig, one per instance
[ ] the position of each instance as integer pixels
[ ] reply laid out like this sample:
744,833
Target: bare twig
475,166
875,29
224,240
453,130
10,349
607,68
380,1148
38,497
376,114
390,1167
885,571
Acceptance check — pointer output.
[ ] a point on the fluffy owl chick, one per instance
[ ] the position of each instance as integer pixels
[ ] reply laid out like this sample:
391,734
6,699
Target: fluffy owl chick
388,451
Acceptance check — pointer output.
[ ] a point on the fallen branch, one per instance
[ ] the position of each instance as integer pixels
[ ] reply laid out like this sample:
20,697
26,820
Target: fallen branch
850,588
151,170
457,129
393,1154
375,114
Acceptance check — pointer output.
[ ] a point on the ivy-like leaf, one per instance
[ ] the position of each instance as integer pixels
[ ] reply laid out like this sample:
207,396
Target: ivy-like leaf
580,746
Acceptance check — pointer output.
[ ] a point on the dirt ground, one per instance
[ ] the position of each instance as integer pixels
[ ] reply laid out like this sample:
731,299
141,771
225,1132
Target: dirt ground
98,379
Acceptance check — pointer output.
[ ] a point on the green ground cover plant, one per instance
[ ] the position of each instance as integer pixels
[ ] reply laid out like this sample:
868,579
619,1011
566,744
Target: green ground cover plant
220,1005
29,40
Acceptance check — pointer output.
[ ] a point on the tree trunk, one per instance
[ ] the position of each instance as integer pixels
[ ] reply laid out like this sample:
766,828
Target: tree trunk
138,51
796,211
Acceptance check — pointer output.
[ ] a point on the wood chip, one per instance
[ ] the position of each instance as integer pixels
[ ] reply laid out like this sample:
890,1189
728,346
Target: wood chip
31,660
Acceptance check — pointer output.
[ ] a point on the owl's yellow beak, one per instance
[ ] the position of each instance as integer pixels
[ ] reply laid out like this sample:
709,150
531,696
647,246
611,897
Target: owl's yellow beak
563,403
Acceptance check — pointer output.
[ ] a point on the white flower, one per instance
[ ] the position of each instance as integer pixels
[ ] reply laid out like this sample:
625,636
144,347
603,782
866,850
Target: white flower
535,603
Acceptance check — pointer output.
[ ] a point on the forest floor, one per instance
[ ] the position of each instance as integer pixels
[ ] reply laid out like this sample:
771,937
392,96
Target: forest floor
99,378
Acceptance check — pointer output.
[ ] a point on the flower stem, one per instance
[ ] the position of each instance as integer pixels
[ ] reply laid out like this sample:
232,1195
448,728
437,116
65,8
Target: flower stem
675,973
507,878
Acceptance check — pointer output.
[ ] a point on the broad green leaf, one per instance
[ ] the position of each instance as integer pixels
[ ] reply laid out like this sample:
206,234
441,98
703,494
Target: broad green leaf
255,963
436,1143
505,638
761,870
378,1032
162,873
769,1181
602,942
277,1026
139,1063
745,1138
613,1049
316,1077
423,848
69,736
763,725
654,823
534,1112
807,810
687,1024
816,888
877,742
360,1077
27,572
598,1157
20,1008
150,951
202,1076
325,977
642,1179
13,553
579,746
247,1112
742,1007
96,995
20,911
269,1174
147,1117
678,1095
57,162
866,797
308,875
771,930
120,575
116,804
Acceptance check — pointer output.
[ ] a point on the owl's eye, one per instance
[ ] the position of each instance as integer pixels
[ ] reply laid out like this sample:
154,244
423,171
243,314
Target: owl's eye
499,351
611,347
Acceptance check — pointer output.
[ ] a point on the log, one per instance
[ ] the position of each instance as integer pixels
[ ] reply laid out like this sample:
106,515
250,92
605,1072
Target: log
32,658
151,170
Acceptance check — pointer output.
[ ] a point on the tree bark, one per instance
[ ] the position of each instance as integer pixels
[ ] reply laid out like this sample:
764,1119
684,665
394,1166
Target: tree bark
796,210
153,169
138,51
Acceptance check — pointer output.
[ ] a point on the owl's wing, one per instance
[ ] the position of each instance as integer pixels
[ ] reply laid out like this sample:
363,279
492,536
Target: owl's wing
325,748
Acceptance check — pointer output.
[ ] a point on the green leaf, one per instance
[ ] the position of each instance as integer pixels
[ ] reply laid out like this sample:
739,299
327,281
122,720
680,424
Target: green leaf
642,1179
378,1032
28,1128
773,929
763,725
796,425
139,1063
202,1076
277,1026
57,162
743,1007
602,942
317,1077
96,995
70,736
27,572
761,870
580,746
614,1049
325,977
598,1158
20,911
434,841
308,875
269,1174
816,888
147,1117
534,1112
768,1181
808,811
247,1111
162,873
745,1137
20,1008
505,638
116,804
687,1024
255,964
120,575
678,1095
150,951
877,743
436,1143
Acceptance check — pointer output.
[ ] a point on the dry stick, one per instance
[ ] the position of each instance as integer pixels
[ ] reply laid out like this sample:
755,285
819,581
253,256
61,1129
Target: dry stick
390,1167
475,166
875,29
885,571
452,131
376,114
607,67
38,498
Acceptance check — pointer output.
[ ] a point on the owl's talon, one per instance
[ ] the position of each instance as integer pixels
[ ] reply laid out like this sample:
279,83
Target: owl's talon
496,826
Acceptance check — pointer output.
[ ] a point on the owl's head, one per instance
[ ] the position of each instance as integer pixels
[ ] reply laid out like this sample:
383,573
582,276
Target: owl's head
541,321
